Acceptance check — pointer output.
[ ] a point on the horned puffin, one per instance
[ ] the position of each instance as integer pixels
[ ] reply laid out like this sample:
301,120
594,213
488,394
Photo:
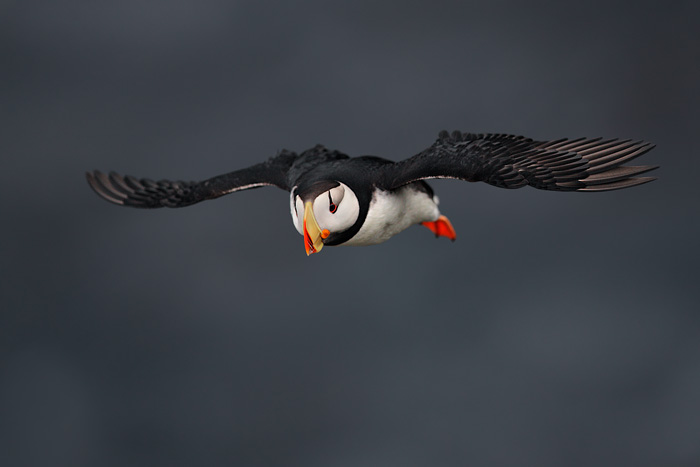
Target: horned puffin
340,200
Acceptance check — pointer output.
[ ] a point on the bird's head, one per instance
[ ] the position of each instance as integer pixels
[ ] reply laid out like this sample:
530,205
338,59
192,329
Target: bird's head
324,212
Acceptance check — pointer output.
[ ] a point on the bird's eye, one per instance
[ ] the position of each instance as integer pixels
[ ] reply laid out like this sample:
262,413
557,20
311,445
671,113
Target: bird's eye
335,196
332,207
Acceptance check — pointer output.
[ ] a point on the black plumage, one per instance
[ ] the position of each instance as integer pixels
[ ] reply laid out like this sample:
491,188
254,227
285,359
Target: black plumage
146,193
508,161
504,161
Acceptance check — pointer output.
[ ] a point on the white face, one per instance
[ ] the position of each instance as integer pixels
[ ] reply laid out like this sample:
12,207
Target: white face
335,210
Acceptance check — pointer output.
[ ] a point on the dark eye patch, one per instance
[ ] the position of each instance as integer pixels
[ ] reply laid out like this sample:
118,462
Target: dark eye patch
331,205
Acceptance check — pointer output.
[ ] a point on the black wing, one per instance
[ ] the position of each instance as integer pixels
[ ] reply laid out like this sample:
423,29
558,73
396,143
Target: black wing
145,193
514,161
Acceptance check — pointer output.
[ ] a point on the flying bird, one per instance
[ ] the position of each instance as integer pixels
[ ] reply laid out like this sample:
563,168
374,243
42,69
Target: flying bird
340,200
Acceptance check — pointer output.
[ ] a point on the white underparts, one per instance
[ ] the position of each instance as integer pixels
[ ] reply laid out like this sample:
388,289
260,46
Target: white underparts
391,212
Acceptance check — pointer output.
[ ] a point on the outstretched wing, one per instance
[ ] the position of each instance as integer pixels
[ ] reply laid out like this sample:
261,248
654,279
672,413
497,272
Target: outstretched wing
145,193
508,161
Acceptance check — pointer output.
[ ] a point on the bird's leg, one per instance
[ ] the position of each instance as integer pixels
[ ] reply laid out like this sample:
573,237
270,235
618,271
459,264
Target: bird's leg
441,228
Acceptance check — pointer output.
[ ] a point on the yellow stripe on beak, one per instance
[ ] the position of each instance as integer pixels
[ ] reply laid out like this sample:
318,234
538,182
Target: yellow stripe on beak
313,241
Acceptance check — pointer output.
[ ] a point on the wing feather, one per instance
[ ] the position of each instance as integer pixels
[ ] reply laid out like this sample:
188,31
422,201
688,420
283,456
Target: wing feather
147,193
508,161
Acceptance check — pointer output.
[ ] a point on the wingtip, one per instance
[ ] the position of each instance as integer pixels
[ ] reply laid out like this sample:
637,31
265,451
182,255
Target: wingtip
100,185
90,176
617,185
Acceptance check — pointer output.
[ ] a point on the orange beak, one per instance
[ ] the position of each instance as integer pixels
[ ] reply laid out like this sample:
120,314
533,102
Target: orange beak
313,235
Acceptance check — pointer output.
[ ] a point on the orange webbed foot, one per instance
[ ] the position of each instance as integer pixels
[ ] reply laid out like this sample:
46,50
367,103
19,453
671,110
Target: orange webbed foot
442,228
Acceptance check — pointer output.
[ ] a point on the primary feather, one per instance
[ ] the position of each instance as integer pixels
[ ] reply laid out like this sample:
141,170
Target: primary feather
506,161
510,161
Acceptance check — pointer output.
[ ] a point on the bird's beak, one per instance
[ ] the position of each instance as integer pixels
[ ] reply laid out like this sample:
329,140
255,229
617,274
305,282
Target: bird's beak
313,235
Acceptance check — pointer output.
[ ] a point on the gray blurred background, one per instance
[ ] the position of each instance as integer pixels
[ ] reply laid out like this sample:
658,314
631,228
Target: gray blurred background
560,328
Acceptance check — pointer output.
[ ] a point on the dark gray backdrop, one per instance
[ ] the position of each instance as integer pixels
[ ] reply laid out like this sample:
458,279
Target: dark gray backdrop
560,329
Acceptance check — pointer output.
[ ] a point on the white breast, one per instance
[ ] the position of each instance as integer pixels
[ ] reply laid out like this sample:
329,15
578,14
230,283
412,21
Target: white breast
391,212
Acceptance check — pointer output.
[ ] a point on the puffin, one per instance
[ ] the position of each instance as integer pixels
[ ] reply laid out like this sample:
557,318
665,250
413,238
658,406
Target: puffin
335,199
